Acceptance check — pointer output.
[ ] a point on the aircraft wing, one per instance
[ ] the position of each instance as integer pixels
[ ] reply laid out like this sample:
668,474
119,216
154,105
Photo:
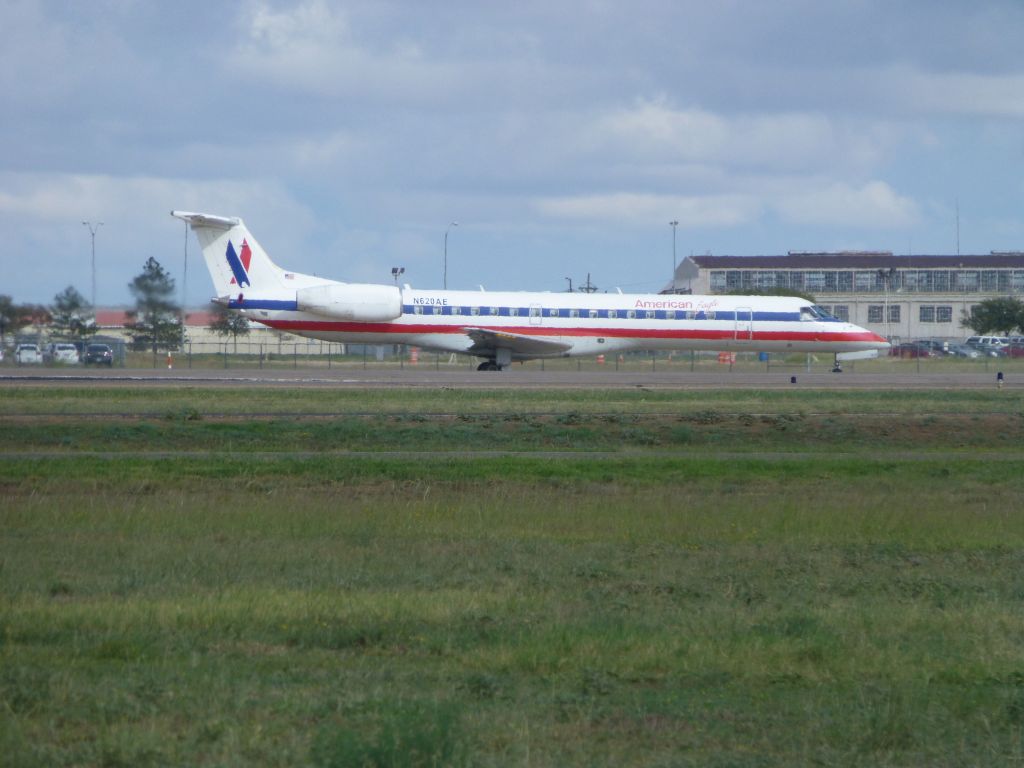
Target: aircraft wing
485,342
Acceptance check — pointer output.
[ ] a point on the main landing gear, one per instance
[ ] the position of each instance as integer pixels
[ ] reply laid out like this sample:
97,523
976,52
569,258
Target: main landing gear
488,365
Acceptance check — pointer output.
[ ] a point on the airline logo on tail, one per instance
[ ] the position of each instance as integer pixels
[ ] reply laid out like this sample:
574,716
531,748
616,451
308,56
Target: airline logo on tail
239,264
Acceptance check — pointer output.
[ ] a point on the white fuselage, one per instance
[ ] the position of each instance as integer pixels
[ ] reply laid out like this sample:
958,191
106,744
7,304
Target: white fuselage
585,323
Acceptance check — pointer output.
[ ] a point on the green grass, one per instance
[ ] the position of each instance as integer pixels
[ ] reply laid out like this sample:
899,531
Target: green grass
174,597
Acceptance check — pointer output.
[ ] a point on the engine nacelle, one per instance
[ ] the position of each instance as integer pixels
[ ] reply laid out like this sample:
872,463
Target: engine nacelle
362,303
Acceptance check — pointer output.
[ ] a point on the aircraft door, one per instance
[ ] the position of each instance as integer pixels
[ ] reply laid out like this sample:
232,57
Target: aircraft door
744,329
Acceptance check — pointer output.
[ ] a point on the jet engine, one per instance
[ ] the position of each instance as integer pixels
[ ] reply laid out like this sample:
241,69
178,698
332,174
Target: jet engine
361,303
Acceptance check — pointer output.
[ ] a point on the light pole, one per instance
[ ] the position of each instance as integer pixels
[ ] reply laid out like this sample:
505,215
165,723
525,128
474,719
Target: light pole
184,289
674,223
445,279
92,233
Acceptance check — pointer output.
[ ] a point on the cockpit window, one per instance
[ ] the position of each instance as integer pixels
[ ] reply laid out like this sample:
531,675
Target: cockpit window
814,313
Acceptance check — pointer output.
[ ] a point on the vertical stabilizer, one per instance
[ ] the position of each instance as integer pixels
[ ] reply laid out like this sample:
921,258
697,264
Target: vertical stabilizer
237,263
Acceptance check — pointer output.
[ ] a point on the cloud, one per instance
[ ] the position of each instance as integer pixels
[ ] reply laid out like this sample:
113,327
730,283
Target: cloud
961,93
313,47
874,205
638,209
654,131
63,197
51,248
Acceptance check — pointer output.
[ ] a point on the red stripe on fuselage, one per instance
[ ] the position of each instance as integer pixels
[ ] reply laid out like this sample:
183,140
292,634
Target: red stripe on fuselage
739,334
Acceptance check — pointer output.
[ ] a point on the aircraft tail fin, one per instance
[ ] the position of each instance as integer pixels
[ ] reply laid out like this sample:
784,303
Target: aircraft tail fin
237,263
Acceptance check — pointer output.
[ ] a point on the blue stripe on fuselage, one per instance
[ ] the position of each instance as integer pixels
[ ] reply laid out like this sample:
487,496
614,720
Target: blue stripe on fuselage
583,313
286,305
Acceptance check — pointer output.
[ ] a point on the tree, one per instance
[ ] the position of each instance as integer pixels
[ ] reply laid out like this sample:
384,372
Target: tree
156,318
10,317
995,316
227,322
72,315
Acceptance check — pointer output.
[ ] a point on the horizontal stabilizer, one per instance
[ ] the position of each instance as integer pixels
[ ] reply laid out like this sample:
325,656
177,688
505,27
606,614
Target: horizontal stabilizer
197,220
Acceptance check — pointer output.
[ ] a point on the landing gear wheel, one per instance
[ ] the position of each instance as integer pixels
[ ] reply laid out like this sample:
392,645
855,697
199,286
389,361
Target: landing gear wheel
488,365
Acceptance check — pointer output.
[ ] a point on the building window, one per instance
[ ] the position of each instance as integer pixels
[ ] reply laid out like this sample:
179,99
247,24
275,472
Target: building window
841,311
863,282
894,313
875,313
926,313
845,282
966,281
943,314
717,281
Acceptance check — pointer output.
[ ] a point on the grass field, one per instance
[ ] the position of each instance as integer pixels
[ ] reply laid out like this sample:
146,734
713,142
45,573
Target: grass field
332,577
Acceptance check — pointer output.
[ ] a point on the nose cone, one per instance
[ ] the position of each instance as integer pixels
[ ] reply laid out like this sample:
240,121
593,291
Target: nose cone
879,342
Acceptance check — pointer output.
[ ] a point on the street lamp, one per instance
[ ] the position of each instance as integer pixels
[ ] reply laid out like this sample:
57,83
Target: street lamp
93,229
396,271
184,289
445,279
673,224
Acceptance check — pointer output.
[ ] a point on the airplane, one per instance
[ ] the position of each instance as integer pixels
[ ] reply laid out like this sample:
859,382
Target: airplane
502,327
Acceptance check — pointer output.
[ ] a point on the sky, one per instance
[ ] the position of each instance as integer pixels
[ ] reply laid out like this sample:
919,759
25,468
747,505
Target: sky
561,137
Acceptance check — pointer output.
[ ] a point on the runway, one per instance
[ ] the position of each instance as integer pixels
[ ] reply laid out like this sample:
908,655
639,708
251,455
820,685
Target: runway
517,378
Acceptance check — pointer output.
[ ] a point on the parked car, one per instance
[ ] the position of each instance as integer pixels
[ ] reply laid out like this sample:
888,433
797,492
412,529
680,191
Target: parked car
938,348
987,342
61,352
962,350
910,349
98,354
990,350
27,354
1015,350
